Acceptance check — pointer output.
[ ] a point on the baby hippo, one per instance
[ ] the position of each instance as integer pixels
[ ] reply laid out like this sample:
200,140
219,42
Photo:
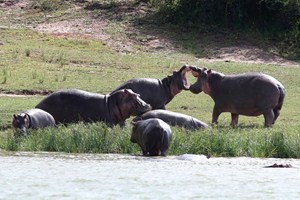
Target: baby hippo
152,135
33,118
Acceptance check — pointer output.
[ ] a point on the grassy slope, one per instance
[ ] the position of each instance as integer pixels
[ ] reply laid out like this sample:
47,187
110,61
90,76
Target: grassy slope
34,61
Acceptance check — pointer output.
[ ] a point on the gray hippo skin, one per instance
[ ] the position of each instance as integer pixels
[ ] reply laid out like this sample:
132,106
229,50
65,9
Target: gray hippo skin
173,118
33,118
152,135
250,94
73,105
158,92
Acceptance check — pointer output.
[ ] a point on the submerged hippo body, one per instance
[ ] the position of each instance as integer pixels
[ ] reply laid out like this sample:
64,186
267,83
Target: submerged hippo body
33,118
152,135
250,94
69,106
173,118
158,92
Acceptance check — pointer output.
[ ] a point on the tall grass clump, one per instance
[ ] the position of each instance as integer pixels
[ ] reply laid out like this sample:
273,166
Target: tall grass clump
217,141
75,138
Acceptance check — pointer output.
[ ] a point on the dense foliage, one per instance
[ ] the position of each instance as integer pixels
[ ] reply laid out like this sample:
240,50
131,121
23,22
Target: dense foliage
277,19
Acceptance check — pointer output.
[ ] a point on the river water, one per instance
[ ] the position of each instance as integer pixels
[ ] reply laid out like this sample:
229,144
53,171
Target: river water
42,175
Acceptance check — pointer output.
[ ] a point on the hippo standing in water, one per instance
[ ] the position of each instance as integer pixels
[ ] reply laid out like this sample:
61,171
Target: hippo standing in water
152,135
250,94
173,118
73,105
33,118
158,92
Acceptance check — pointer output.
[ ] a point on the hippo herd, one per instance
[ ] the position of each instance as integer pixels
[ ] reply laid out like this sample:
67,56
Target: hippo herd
249,94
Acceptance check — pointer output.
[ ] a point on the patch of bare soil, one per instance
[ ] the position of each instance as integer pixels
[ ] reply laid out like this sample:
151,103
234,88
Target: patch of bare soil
24,93
248,54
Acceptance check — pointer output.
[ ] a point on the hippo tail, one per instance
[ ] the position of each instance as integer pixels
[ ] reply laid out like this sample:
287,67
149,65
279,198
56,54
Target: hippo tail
281,97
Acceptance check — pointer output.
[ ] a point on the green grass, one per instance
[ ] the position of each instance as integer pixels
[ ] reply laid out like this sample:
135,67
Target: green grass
33,61
253,141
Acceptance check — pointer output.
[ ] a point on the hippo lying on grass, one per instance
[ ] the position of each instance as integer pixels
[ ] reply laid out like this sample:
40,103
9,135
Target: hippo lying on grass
158,92
173,118
33,118
250,94
152,135
69,106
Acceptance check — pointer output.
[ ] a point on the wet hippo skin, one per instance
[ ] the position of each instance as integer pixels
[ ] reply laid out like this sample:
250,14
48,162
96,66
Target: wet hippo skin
152,135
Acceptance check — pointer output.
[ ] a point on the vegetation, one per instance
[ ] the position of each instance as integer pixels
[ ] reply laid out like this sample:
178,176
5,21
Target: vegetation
278,20
37,63
251,141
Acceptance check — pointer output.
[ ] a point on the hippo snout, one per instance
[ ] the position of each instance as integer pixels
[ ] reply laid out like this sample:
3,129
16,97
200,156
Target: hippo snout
195,88
141,107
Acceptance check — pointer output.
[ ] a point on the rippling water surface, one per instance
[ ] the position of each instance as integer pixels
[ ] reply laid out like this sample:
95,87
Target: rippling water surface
26,175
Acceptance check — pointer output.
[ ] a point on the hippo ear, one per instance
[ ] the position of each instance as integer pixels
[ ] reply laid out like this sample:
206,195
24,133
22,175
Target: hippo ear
126,92
14,116
209,71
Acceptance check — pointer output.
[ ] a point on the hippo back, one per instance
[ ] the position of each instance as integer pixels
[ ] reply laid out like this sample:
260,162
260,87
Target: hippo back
153,135
67,106
173,118
150,90
39,118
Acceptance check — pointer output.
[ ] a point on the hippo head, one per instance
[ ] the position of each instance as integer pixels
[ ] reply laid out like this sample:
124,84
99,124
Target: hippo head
201,84
133,132
129,103
21,122
178,81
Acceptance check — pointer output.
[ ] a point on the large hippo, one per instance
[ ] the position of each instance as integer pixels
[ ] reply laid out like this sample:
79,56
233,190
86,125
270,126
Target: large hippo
33,118
152,135
158,92
250,94
73,105
173,118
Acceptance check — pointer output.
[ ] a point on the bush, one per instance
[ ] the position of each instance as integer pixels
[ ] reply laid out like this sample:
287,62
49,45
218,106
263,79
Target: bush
277,19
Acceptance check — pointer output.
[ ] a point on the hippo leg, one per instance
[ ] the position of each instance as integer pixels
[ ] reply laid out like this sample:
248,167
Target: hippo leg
215,115
276,114
234,119
269,118
144,151
154,152
163,152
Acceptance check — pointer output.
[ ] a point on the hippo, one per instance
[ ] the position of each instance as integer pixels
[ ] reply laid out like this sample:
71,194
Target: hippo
152,135
250,94
74,105
173,118
33,118
158,92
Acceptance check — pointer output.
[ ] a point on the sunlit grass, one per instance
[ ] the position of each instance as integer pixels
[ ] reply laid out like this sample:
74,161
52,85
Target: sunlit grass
33,61
282,142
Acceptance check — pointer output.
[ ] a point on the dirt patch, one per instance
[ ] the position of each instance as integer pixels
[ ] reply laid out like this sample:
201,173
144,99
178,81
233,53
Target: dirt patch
248,54
23,93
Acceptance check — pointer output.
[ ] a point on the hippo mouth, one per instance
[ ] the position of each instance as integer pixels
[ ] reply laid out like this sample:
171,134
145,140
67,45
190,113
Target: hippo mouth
141,107
185,82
